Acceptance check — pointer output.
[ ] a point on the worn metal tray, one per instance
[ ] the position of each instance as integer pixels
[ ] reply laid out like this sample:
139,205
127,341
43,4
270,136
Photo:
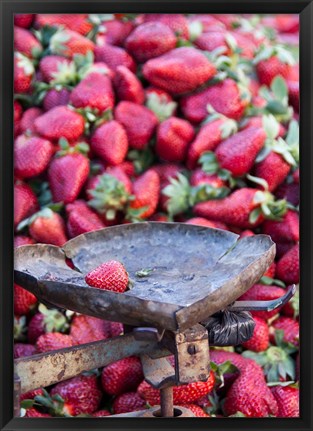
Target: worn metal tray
197,271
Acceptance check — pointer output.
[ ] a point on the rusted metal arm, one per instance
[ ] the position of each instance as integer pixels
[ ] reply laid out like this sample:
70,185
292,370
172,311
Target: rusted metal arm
48,368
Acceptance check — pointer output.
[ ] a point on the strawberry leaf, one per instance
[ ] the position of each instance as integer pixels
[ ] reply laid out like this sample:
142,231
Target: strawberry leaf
280,89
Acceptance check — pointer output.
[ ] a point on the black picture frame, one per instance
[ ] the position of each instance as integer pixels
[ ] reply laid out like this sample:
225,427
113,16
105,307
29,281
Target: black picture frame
8,8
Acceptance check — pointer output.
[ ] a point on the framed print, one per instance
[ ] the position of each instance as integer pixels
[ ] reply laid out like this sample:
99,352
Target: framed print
156,215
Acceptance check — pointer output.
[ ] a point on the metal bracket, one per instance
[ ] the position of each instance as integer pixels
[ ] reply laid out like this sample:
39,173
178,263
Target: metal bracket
263,305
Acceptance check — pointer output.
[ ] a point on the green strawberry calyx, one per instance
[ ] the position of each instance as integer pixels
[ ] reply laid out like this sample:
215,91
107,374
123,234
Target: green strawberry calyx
220,370
275,361
20,328
160,105
109,196
182,196
24,63
55,404
266,205
54,320
66,148
93,117
266,52
211,166
276,98
58,41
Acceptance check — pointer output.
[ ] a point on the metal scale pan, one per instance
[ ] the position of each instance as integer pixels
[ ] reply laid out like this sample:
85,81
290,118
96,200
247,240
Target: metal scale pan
197,271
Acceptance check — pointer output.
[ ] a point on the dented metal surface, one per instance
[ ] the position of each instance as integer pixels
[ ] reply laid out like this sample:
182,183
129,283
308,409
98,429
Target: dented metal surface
196,272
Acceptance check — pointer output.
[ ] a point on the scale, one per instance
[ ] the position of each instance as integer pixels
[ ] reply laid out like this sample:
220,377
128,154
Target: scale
196,272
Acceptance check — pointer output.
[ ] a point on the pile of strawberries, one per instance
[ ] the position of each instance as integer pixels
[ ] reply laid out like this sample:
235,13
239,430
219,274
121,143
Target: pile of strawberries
186,118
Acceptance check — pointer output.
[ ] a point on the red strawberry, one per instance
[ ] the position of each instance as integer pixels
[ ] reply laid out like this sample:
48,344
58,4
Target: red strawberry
196,410
287,268
31,156
184,394
25,202
270,271
95,91
221,356
60,122
199,221
250,395
55,98
287,398
273,169
246,42
268,69
67,176
138,121
290,328
68,43
111,275
26,43
146,190
260,338
212,40
31,394
87,329
110,142
167,171
75,22
261,292
173,137
234,210
150,40
290,192
22,350
50,321
53,341
48,227
28,118
82,219
23,20
208,138
22,240
33,413
81,394
116,31
128,402
224,97
285,230
208,22
127,86
52,66
176,22
24,301
199,177
122,376
114,56
166,71
245,233
237,153
23,73
101,413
